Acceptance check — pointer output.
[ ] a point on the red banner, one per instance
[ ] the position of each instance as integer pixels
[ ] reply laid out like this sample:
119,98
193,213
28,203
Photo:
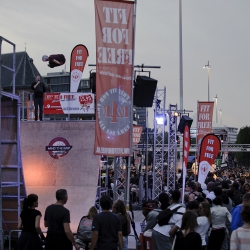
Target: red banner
114,70
79,57
186,147
204,119
137,130
210,148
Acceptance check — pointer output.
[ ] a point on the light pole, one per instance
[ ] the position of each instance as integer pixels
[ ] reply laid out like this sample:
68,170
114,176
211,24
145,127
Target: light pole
208,67
220,116
180,51
216,105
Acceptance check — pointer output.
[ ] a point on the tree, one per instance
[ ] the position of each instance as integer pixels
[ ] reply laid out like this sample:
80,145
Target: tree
243,137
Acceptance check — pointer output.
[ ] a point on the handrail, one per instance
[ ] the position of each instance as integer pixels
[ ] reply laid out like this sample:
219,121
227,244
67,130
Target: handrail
19,232
2,241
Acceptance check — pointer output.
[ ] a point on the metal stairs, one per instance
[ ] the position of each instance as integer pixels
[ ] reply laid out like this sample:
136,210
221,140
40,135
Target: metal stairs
12,181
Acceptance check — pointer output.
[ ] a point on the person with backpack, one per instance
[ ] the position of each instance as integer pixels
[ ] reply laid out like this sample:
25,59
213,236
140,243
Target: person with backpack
168,222
84,231
120,209
150,211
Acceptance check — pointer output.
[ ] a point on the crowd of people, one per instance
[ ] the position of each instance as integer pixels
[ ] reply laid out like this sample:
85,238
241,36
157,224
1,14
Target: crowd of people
213,216
106,230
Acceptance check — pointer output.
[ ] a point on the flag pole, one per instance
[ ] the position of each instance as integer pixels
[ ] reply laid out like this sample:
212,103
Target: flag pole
131,114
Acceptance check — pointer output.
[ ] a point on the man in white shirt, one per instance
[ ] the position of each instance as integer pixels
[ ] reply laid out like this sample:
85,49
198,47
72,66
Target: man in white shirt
210,187
161,236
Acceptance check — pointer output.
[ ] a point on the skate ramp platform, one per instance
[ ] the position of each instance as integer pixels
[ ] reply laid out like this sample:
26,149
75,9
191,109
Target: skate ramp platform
59,154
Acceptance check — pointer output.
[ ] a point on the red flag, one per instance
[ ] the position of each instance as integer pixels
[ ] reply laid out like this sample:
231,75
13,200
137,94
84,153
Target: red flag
79,57
186,147
137,130
210,147
114,70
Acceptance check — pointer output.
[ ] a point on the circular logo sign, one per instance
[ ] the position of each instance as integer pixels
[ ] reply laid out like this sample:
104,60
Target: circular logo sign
58,147
75,75
204,167
113,109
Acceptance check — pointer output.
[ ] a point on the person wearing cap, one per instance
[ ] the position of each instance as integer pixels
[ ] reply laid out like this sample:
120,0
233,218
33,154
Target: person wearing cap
150,211
54,60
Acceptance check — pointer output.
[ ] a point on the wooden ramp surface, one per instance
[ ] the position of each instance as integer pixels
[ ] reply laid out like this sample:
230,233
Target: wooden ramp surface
47,171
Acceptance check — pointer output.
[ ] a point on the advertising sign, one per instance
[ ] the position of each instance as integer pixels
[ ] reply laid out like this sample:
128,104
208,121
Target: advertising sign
210,147
114,71
69,103
204,119
79,56
137,130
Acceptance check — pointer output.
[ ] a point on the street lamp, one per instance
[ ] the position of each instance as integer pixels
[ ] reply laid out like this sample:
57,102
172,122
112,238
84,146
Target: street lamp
216,105
208,67
220,116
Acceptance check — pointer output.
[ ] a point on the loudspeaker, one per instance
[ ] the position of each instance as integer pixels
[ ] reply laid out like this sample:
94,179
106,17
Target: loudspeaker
144,91
184,120
92,80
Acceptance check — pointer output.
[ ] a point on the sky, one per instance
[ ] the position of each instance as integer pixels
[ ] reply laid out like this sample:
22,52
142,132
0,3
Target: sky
217,31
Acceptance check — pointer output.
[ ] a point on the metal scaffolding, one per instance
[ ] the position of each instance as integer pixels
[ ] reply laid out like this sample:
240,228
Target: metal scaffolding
119,178
172,147
159,131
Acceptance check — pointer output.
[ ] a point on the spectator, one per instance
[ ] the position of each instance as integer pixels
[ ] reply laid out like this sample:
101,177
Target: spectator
240,237
210,187
84,231
120,209
150,211
203,221
219,216
237,199
57,219
246,188
161,236
187,238
107,228
236,213
193,206
29,223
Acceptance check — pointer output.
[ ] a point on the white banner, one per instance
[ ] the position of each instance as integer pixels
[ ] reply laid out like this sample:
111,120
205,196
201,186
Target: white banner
69,103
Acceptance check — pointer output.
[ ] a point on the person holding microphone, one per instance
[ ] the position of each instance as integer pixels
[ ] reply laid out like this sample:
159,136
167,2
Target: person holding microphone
38,88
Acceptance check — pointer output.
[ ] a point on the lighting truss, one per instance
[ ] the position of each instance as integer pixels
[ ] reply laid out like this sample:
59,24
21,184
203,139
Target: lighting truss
119,178
172,149
159,131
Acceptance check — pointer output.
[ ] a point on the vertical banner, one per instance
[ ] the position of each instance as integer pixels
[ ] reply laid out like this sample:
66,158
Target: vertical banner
204,119
114,71
79,57
186,147
137,130
210,147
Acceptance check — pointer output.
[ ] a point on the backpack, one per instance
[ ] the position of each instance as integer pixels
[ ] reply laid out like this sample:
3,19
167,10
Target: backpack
164,216
84,231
